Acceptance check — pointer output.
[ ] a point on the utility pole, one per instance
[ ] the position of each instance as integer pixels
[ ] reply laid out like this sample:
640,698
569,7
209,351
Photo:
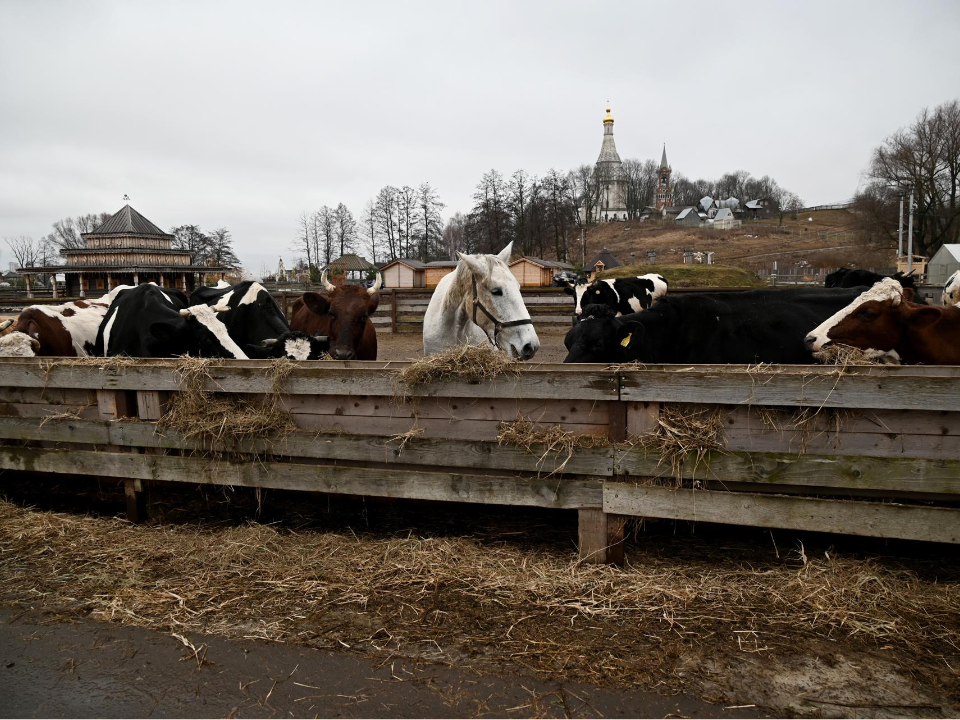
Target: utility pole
910,237
900,230
583,248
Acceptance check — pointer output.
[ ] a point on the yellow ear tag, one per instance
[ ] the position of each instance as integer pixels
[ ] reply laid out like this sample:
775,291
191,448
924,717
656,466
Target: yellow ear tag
597,292
626,341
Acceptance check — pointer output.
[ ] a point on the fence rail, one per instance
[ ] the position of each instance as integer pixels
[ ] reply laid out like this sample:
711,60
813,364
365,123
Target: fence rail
859,450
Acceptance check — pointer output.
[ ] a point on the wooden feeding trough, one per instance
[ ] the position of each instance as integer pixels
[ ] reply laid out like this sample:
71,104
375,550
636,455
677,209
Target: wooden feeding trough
863,450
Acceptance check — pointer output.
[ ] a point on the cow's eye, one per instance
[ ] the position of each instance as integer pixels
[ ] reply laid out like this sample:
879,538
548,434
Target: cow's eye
497,291
868,315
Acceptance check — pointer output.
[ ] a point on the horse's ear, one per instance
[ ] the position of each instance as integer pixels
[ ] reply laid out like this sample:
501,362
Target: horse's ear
471,262
506,252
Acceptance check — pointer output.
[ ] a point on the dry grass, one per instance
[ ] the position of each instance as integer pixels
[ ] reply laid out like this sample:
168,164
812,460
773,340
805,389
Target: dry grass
684,432
551,440
208,420
845,356
464,362
510,597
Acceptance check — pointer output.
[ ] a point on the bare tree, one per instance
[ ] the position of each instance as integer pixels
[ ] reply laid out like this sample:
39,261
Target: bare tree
303,241
24,250
429,221
220,249
370,230
455,236
344,229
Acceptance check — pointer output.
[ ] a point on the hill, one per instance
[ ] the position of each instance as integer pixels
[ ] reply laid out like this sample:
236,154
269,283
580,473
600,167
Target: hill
823,238
691,276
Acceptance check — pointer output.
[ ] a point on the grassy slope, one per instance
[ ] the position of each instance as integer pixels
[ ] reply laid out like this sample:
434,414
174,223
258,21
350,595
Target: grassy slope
691,276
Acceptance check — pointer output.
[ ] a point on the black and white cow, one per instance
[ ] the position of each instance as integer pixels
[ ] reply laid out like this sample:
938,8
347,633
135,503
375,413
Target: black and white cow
623,295
150,321
846,277
744,327
256,323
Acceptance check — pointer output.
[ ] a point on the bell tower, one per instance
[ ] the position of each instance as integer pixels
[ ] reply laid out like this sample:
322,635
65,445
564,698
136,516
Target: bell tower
664,192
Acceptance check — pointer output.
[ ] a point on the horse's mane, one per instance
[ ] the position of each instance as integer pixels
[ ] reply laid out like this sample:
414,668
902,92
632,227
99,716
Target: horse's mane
462,287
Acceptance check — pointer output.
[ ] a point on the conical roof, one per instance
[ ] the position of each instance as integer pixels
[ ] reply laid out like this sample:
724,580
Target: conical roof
607,258
663,160
127,221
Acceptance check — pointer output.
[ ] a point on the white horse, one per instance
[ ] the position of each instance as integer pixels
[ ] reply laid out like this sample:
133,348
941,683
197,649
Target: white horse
480,303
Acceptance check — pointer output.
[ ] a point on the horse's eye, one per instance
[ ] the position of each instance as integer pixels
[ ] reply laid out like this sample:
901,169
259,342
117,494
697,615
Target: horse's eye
497,291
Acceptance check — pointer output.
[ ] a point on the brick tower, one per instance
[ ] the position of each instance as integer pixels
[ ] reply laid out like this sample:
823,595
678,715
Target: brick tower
664,193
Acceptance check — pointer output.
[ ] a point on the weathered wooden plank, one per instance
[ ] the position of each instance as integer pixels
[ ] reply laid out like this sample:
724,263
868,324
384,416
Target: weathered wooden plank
449,454
618,422
909,422
38,410
136,500
46,396
151,404
642,418
114,404
934,447
886,387
600,537
379,482
908,522
820,471
582,412
318,377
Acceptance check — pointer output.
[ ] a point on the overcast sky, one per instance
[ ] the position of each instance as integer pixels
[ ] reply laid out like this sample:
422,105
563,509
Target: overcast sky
243,114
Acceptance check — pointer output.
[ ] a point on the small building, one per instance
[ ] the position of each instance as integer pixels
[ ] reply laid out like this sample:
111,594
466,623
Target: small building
404,273
127,249
349,268
534,272
724,219
689,217
434,271
604,260
761,208
944,263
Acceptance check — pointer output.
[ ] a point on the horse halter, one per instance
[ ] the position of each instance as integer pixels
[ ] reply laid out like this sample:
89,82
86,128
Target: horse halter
497,325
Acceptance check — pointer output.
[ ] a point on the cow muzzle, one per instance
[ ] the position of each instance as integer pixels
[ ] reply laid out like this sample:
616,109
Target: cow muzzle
341,354
810,342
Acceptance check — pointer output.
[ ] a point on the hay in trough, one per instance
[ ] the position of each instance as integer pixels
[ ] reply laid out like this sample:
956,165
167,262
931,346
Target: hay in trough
470,363
552,439
209,419
845,356
494,595
683,432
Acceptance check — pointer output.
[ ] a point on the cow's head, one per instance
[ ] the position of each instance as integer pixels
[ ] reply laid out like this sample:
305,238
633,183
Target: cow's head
600,292
576,289
601,337
347,310
294,345
876,320
196,331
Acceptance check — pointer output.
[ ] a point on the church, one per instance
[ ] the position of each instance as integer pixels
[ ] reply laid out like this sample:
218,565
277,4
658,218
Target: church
612,181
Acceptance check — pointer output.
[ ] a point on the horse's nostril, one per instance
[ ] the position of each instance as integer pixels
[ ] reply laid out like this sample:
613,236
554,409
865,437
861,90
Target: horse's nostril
528,351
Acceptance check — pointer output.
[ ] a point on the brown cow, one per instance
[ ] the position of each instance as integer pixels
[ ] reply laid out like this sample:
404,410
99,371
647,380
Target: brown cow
342,314
882,318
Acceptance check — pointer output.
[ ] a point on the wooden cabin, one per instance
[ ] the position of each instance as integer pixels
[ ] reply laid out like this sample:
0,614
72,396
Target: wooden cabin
534,272
404,273
436,270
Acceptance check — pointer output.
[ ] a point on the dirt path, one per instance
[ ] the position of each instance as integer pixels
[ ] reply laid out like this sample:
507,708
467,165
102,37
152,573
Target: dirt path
92,669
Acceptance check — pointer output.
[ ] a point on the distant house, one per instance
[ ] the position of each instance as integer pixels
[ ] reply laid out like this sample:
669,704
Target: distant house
534,272
404,273
349,267
603,261
671,212
944,263
434,271
724,219
760,208
689,217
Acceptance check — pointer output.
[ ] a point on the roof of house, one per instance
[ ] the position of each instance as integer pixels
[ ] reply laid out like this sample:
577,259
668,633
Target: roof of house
552,264
949,248
723,214
414,264
127,221
607,258
442,263
686,212
352,262
754,205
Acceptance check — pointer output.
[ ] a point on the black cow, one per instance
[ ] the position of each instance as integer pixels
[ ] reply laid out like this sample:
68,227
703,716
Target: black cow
150,321
745,327
846,278
255,321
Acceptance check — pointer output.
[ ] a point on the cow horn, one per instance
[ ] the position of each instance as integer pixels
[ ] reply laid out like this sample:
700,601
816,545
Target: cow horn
270,342
185,312
5,324
326,285
221,308
377,284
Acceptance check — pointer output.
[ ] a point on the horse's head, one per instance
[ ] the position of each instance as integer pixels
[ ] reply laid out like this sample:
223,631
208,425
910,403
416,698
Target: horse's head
499,304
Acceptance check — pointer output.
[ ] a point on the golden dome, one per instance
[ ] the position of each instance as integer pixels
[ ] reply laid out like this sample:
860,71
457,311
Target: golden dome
608,118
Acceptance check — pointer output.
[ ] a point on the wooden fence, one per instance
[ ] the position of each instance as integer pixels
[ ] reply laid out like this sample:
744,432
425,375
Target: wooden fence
864,450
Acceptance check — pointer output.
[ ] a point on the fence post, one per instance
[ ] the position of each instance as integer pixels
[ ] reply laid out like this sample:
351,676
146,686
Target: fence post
112,405
393,311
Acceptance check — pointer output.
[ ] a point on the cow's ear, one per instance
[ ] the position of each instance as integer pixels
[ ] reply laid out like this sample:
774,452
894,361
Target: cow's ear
568,290
316,303
167,330
629,334
924,316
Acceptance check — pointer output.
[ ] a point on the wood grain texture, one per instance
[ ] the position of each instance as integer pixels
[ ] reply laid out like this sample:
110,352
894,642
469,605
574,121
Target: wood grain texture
908,522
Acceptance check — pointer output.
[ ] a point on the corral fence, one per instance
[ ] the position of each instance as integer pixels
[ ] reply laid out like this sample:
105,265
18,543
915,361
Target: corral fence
865,450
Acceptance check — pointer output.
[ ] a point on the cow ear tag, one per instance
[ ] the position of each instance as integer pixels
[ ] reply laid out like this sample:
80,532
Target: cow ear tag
626,341
596,292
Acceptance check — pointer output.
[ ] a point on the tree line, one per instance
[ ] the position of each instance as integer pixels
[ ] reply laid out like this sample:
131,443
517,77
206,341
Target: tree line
924,157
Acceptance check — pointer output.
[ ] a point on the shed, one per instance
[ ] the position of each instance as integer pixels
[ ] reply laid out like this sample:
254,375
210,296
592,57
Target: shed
404,273
604,256
434,271
944,263
535,272
724,219
689,217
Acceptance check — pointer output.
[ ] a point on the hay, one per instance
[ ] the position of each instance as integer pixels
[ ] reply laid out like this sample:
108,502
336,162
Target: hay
502,596
208,420
471,363
845,356
683,431
553,439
